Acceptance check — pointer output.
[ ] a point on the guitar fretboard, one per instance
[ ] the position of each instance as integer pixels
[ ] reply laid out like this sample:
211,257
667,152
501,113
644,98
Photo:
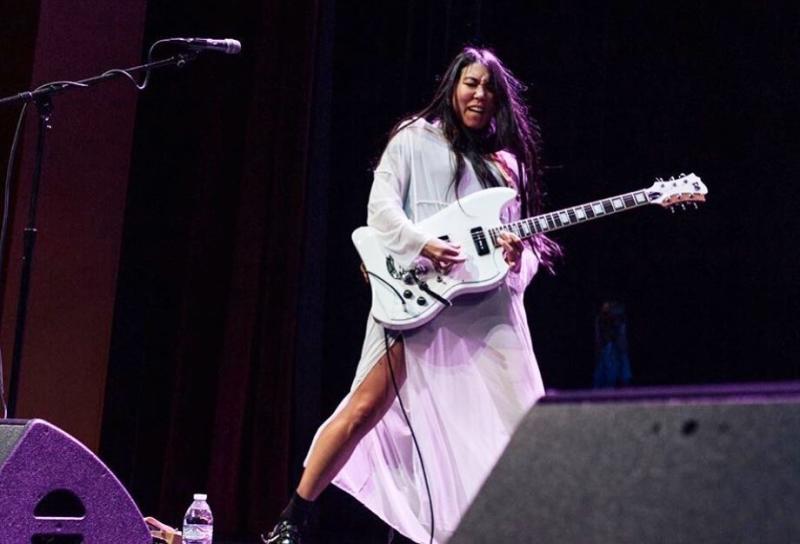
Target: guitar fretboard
546,222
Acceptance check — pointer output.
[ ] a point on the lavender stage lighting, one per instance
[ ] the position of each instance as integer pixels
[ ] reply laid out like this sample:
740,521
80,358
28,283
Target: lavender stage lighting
54,490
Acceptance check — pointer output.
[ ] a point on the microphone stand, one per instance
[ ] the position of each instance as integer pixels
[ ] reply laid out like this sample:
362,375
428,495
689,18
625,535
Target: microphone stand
44,105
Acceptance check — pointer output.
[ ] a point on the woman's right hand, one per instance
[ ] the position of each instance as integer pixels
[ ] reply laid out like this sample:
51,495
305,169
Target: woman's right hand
443,254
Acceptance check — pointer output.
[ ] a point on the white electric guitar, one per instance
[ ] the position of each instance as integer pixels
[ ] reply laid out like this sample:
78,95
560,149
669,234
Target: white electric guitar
405,298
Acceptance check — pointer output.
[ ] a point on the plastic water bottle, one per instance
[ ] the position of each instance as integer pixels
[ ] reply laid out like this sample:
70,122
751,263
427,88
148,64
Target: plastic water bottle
198,523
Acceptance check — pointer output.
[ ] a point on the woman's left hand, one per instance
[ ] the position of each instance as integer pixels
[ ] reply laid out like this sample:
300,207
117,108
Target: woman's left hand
512,249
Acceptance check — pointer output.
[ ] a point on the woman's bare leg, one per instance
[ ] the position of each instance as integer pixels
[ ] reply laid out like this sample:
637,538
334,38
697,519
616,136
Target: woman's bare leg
366,407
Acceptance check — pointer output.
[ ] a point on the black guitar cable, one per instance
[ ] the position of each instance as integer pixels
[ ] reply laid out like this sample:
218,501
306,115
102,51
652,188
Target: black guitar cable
389,285
410,428
423,286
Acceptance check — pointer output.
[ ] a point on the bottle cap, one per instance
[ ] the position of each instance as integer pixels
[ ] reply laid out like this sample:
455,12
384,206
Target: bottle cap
200,496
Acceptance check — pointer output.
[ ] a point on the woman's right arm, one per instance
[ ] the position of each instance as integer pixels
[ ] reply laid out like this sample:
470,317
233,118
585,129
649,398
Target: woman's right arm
385,212
390,186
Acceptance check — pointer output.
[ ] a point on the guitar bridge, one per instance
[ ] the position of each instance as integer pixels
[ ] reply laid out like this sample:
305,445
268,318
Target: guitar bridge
392,269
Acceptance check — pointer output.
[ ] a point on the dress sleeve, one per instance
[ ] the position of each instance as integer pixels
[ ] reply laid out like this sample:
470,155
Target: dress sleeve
390,190
518,281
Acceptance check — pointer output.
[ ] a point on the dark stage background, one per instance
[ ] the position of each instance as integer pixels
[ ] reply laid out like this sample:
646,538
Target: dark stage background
238,308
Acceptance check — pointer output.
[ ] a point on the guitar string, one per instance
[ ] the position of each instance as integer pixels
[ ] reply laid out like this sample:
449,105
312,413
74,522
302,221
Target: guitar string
555,221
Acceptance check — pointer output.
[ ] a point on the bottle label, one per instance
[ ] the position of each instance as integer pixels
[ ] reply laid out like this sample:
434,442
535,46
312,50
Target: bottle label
197,534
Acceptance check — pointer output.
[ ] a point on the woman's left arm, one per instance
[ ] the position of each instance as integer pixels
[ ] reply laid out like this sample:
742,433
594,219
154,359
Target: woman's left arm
527,266
522,260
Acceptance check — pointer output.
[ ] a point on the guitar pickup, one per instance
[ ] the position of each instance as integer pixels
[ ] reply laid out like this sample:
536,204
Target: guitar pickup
479,239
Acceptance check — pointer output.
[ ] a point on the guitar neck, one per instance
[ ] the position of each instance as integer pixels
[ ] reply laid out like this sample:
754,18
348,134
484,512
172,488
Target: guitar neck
559,219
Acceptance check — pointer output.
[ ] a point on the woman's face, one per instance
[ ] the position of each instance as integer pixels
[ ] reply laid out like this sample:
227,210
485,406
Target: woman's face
473,98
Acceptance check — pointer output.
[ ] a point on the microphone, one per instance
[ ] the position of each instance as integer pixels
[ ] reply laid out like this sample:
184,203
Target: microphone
227,46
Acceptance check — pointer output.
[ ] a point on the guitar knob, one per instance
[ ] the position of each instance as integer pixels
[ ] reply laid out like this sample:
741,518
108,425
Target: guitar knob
408,279
422,301
407,294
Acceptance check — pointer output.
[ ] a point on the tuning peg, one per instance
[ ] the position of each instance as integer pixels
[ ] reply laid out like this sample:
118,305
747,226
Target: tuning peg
672,209
695,205
683,206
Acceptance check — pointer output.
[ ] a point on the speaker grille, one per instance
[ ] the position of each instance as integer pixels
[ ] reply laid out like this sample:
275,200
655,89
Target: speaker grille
10,433
687,470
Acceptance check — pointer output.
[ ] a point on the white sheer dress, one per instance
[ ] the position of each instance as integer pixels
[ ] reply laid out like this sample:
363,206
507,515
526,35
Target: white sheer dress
471,372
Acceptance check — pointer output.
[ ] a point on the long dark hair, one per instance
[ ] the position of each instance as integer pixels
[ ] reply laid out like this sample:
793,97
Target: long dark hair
512,129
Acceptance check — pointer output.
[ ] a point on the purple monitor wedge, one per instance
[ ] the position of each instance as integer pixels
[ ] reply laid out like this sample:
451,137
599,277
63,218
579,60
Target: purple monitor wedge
55,490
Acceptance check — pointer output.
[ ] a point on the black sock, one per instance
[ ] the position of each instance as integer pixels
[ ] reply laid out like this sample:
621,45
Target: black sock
298,510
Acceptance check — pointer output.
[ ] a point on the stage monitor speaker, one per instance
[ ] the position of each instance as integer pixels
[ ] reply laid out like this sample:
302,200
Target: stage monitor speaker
53,490
702,465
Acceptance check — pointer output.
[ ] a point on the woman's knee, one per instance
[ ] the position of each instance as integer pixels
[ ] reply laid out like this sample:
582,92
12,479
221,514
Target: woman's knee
376,393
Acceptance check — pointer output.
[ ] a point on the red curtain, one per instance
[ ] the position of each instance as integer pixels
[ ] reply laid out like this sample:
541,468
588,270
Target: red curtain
248,464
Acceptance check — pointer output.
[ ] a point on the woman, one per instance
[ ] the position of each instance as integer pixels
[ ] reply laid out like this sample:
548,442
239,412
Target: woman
467,377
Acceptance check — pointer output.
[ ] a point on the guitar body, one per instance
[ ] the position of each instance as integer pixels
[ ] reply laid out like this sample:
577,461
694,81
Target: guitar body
399,301
407,297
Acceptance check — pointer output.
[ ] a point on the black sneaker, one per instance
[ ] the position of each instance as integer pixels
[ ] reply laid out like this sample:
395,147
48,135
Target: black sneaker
285,532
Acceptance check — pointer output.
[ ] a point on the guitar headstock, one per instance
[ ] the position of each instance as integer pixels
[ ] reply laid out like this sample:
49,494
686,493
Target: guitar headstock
687,188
